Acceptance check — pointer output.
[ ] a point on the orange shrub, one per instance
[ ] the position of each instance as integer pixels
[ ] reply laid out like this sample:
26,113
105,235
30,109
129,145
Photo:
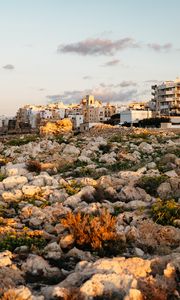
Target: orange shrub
90,230
11,295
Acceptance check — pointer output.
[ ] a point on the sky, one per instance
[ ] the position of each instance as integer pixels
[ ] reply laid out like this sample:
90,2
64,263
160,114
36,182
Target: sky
61,50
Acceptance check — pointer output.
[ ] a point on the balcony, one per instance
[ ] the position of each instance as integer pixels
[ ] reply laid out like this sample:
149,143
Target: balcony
174,105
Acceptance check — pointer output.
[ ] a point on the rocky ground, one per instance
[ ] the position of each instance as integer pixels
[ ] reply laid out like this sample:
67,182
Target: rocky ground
90,216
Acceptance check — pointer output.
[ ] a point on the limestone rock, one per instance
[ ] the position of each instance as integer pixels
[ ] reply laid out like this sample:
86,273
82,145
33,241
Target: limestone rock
67,241
15,169
40,269
170,188
5,258
52,251
129,193
157,237
30,190
146,148
14,181
14,196
71,150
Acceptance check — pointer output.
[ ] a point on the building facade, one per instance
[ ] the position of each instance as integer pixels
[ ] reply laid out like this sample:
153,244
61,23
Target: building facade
166,98
131,116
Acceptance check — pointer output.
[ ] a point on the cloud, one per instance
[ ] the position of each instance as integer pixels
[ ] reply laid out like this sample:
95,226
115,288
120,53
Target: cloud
98,46
127,83
122,84
153,81
112,63
159,48
9,67
105,94
87,77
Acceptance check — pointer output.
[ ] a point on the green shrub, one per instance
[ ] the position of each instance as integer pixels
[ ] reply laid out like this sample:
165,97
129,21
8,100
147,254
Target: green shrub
2,177
84,172
117,211
21,141
176,152
120,166
11,242
70,167
3,162
165,212
73,187
150,184
60,139
105,148
142,135
116,138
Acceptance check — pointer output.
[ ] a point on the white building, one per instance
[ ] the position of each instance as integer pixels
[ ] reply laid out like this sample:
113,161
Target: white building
77,120
4,121
167,98
134,116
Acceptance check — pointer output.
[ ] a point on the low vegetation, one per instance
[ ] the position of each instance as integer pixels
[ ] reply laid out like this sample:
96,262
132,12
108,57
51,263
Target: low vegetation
10,238
116,138
22,141
165,212
61,139
120,166
105,148
2,176
150,184
143,135
33,166
73,187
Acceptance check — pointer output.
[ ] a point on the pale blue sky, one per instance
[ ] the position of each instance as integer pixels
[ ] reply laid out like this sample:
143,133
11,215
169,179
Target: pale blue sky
112,48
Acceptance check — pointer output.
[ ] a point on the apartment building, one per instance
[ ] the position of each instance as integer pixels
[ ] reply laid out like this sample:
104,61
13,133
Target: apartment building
94,111
138,105
166,98
73,109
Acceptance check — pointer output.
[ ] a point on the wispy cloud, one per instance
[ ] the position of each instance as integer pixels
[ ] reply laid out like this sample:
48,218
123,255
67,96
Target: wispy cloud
159,48
98,46
9,67
123,84
153,81
112,63
127,83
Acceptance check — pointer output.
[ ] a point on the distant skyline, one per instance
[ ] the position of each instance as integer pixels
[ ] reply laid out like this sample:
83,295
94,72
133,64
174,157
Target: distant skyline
64,49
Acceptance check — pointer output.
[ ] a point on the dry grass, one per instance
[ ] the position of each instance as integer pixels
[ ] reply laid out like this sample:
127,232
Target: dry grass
92,231
11,295
33,166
